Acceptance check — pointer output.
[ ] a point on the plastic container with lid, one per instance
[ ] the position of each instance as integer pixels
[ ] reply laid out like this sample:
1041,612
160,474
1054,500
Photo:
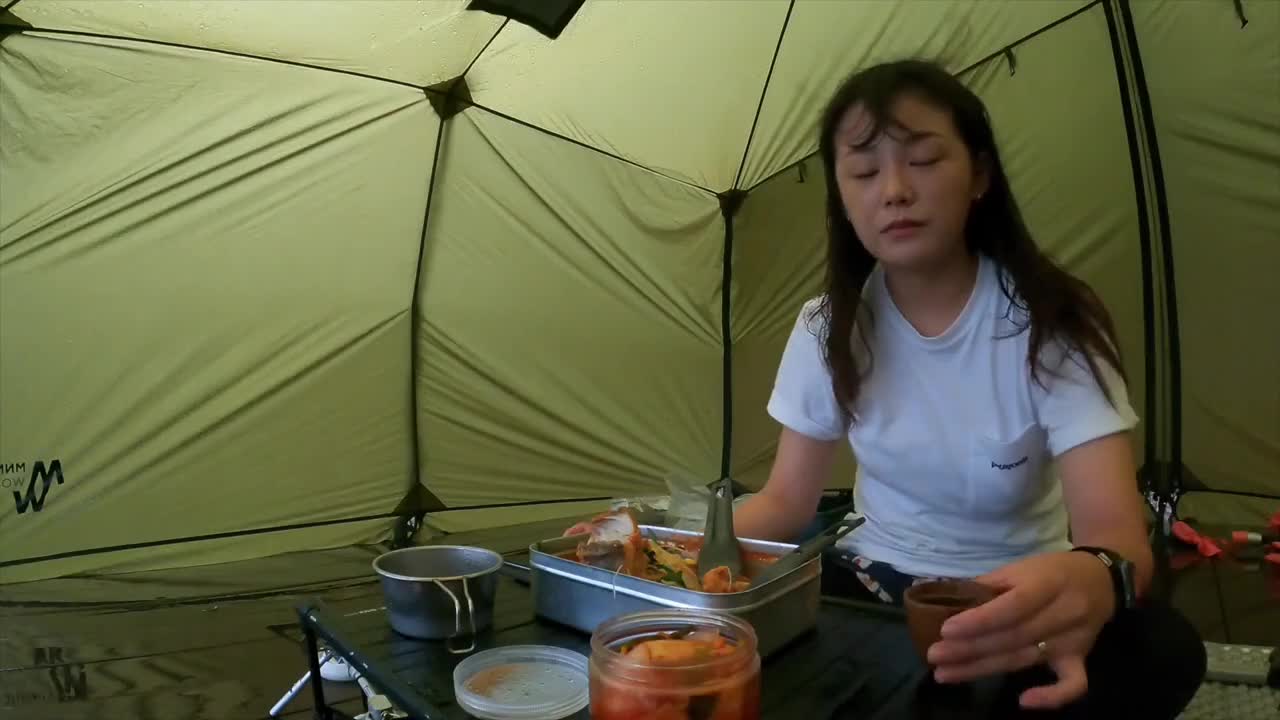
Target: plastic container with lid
522,682
679,663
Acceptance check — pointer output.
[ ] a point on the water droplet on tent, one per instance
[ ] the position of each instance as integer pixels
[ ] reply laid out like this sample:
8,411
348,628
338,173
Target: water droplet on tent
204,26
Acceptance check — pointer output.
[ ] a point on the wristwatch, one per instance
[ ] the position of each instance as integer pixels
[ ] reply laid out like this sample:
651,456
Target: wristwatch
1122,575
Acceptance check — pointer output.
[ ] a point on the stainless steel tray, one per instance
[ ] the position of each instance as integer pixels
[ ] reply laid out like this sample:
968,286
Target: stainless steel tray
582,597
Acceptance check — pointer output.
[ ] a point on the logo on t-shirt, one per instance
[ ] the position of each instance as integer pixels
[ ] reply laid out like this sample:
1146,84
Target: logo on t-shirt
1009,466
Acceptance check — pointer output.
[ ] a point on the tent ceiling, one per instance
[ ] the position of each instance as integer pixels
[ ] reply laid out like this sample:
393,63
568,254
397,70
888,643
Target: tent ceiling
690,79
823,42
420,43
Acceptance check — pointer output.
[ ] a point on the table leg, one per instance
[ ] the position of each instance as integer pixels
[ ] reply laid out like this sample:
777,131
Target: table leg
322,711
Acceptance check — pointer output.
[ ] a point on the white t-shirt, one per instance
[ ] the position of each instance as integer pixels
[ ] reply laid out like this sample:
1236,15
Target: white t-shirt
954,440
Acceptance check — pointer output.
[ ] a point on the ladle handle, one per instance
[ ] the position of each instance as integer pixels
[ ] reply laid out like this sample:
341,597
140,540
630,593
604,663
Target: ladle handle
720,543
720,509
809,549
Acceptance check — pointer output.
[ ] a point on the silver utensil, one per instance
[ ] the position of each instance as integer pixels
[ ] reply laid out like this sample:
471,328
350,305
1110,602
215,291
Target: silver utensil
720,545
808,550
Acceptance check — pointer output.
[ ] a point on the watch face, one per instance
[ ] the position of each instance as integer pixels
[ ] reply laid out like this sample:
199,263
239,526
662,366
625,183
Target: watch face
1126,569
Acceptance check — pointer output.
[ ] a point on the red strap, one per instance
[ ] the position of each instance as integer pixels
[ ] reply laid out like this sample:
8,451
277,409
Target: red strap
1188,535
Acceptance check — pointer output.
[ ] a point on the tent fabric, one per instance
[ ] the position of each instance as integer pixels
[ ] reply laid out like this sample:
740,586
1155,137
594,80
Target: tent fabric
220,282
1218,127
825,41
378,38
205,273
567,299
778,253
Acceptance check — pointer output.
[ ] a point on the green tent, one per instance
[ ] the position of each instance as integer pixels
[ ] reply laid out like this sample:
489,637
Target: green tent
276,273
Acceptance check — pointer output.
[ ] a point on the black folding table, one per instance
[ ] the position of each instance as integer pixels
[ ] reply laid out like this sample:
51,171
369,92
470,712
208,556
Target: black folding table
857,663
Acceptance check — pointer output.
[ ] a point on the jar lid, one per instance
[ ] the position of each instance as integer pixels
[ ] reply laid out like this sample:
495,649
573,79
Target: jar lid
522,682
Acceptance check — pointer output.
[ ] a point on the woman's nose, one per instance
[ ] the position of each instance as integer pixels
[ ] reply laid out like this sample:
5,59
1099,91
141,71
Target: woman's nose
897,188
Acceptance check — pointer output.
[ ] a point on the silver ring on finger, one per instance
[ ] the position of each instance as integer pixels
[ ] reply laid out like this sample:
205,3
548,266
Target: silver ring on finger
1043,648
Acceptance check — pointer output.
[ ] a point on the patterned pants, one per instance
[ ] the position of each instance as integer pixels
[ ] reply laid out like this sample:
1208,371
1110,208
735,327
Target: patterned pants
852,575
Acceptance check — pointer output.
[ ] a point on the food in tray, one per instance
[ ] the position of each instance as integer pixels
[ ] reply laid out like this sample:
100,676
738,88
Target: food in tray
614,542
678,677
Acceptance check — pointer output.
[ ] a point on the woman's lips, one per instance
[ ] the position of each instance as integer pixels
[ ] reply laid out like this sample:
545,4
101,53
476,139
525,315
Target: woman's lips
902,228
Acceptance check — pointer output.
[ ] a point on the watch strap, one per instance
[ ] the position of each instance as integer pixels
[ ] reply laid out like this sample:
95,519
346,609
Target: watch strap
1117,566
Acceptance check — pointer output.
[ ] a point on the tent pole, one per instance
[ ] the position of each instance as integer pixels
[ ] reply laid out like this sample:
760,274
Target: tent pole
1174,344
730,202
1152,472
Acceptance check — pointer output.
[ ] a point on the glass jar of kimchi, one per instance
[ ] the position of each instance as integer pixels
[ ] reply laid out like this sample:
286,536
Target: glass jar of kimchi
675,665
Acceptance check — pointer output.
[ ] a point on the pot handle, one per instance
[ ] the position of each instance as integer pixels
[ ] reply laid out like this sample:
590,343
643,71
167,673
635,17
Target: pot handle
457,617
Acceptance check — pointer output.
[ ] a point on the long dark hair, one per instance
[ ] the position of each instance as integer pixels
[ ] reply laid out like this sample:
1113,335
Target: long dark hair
1056,304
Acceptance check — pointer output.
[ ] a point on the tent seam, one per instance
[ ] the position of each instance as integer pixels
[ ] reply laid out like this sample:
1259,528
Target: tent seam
376,78
764,93
229,534
415,311
1235,493
225,535
964,71
726,342
471,103
587,146
480,54
218,51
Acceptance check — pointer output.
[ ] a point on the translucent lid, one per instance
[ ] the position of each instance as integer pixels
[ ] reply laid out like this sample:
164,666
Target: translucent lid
522,682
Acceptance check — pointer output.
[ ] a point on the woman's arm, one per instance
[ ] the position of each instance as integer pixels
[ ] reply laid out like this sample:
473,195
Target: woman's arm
1100,488
1062,599
789,500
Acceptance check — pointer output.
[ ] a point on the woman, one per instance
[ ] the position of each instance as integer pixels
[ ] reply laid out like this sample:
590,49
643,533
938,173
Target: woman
981,390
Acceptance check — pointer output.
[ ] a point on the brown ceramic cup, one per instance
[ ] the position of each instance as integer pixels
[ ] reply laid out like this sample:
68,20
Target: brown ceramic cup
929,604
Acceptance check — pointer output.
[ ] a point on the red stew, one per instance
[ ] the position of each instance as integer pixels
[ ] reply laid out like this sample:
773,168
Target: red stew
705,675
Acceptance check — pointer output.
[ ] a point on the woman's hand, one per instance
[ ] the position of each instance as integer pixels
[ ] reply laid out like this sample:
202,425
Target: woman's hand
1060,599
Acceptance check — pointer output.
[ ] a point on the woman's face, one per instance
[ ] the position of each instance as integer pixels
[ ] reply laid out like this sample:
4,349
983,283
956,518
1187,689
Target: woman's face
909,190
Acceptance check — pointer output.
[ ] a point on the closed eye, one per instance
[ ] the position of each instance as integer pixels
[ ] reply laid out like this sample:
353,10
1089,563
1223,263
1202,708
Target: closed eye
930,161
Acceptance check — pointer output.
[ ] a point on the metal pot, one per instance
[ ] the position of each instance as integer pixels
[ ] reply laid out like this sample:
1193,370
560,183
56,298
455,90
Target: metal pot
438,592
